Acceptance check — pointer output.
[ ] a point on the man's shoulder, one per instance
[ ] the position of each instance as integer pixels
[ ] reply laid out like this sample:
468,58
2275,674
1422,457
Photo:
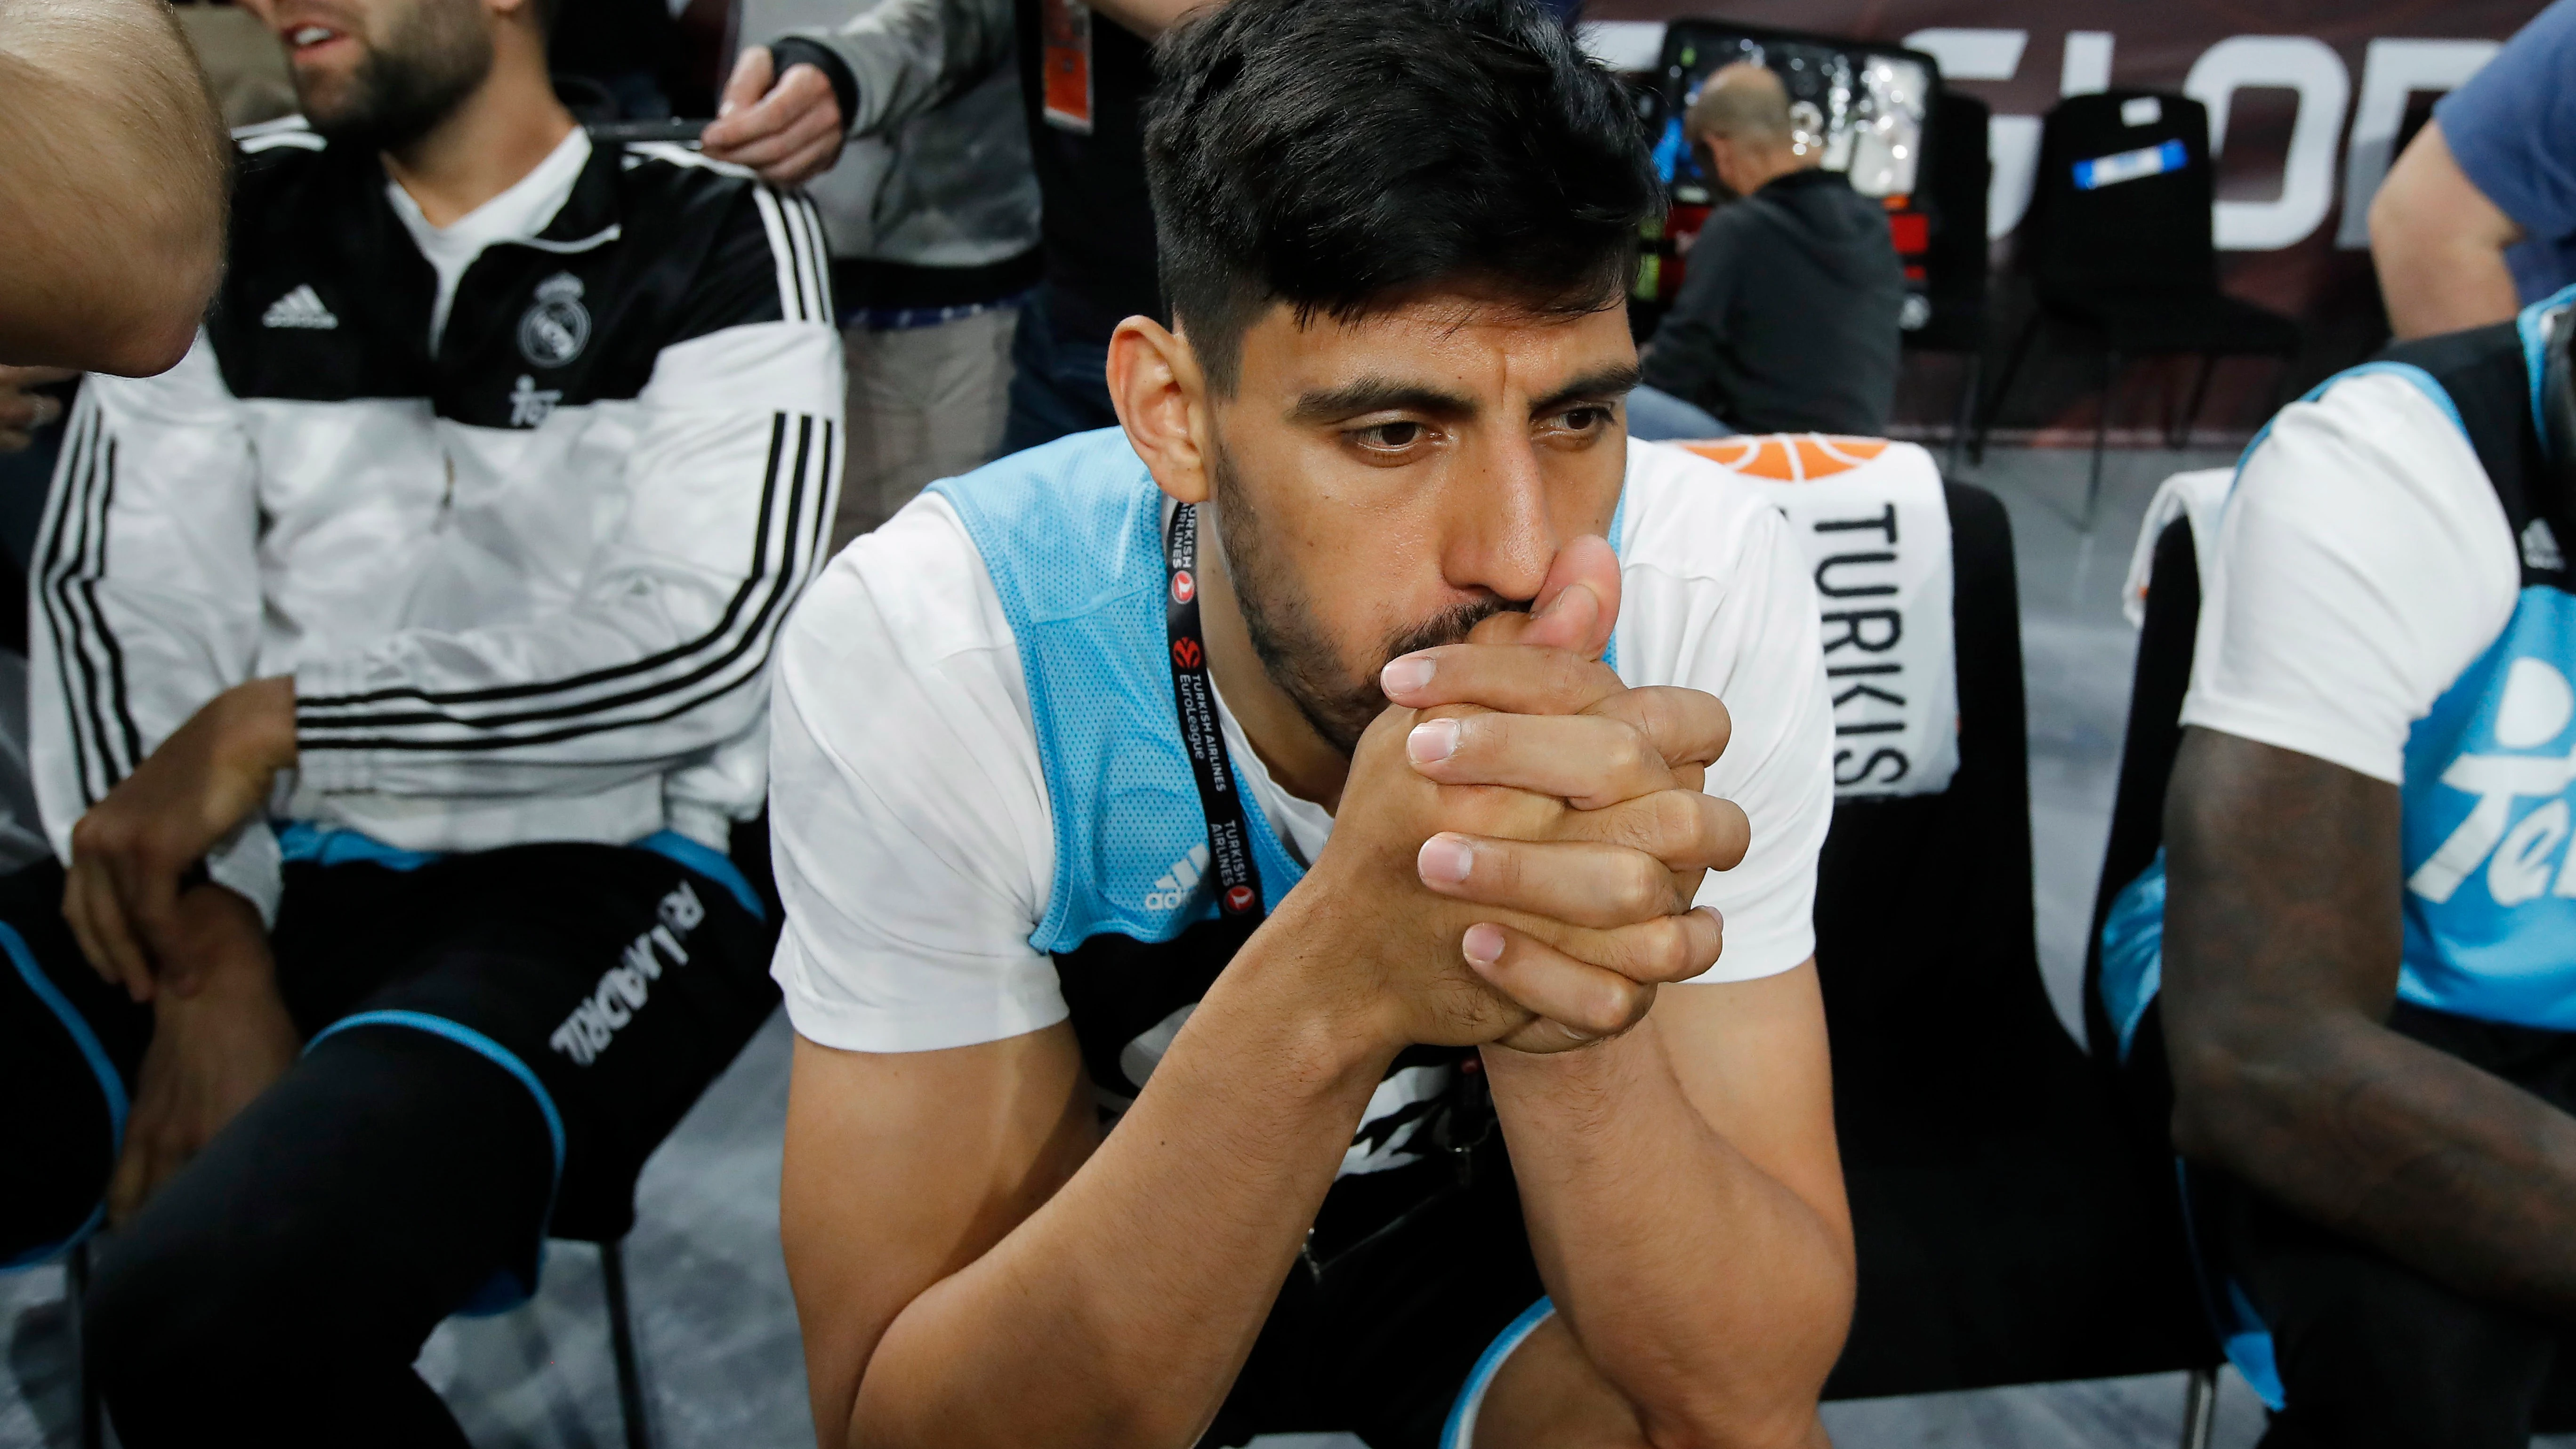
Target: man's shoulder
664,174
1065,526
900,643
276,164
1685,513
729,248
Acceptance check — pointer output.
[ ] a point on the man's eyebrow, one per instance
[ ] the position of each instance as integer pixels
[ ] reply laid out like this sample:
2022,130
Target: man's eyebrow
1609,384
1379,394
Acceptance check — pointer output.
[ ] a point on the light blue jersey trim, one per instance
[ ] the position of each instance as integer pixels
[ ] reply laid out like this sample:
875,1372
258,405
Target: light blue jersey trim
2133,937
692,854
1070,533
1460,1431
2249,1347
504,1292
1618,530
110,1085
2424,382
2241,1332
1071,536
473,1041
2535,348
302,840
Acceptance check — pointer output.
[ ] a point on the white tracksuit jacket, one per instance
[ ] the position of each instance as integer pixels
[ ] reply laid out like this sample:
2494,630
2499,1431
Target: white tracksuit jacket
522,533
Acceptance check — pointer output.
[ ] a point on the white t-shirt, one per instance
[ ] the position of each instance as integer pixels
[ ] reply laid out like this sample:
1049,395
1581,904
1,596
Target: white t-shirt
909,818
517,214
2362,564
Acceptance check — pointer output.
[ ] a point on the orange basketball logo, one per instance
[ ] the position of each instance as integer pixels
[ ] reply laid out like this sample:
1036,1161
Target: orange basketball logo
1790,457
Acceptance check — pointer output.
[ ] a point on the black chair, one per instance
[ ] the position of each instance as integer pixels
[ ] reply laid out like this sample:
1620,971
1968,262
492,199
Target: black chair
2154,734
1958,173
2005,1234
2118,249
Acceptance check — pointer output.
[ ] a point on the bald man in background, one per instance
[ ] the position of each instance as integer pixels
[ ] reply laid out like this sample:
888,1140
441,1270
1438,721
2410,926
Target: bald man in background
1786,320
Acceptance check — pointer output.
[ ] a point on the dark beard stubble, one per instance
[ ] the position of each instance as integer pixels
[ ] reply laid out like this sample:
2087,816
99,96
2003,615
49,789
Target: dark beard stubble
1291,644
437,55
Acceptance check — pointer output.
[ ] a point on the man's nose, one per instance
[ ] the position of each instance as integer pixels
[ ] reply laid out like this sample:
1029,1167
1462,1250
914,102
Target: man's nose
1501,538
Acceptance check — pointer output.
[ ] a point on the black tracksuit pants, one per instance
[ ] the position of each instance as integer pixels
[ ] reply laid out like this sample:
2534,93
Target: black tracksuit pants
496,1042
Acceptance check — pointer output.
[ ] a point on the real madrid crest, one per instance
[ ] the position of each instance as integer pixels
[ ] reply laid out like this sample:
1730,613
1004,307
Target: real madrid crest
556,328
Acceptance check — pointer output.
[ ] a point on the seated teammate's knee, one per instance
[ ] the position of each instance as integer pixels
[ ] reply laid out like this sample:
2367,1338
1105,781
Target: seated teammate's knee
70,1042
176,1316
2376,1354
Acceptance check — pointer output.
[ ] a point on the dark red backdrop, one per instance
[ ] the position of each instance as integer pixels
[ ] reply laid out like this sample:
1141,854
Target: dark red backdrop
2315,95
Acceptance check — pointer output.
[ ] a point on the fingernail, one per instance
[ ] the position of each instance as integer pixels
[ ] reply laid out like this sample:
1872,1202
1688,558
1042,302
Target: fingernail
1483,944
1432,741
1406,675
1446,858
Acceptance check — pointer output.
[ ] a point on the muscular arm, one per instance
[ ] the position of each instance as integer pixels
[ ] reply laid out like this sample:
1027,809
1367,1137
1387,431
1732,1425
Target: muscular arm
2281,951
2439,244
112,160
1119,1312
903,1168
1685,1202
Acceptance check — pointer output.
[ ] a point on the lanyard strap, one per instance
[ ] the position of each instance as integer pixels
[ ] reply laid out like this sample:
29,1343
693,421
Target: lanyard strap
1238,879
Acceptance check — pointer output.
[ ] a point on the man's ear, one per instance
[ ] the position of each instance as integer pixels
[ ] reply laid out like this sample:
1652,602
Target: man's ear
1161,397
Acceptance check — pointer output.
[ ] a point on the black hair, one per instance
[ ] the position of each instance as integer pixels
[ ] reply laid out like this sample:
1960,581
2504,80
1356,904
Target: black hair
1331,153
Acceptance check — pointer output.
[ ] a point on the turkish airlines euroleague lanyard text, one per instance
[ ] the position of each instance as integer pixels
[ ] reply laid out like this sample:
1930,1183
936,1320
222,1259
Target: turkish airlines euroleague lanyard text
1238,880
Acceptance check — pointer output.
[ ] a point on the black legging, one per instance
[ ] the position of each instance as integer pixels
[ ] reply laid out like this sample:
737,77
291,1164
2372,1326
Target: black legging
288,1278
463,1014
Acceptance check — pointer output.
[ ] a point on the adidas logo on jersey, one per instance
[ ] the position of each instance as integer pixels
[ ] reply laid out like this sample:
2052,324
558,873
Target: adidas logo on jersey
299,308
2540,548
1178,884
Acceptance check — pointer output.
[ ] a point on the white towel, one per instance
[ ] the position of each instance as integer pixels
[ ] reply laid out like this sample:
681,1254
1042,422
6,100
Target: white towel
2199,496
1871,517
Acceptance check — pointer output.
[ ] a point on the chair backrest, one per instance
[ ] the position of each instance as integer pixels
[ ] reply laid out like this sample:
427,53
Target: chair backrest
2121,203
1958,173
2161,677
2005,1235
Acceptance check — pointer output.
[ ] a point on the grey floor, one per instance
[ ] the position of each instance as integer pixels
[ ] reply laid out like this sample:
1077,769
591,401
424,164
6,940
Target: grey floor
718,1329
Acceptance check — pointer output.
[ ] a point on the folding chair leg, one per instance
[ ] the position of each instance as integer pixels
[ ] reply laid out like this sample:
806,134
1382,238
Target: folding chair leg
2200,1408
1994,401
84,1393
1967,418
2191,412
2101,436
621,1343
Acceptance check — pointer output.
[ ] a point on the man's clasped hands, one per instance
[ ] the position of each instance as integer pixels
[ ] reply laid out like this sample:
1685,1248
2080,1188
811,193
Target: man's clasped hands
1522,834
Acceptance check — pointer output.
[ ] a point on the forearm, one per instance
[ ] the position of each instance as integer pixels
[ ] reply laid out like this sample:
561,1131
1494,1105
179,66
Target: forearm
906,58
113,159
2281,951
662,655
2434,281
2434,1161
2438,244
1119,1313
1713,1296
